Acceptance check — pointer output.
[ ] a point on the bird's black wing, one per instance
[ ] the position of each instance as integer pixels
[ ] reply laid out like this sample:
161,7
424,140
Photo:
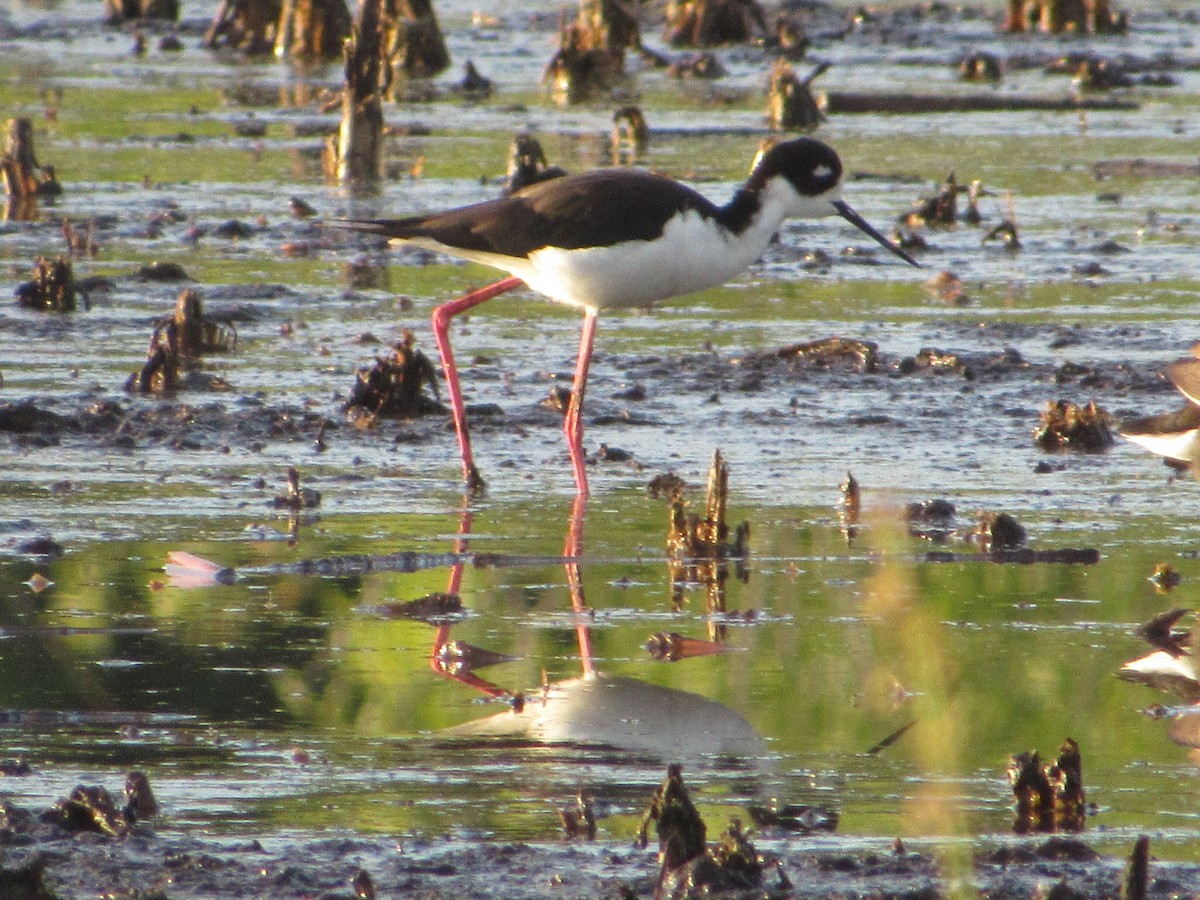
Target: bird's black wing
595,209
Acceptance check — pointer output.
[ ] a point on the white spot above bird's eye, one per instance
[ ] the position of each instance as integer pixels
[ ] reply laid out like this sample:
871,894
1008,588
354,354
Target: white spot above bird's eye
822,172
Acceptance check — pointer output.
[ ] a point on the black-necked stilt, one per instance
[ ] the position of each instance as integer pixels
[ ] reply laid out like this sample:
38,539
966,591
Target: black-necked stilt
1175,435
615,239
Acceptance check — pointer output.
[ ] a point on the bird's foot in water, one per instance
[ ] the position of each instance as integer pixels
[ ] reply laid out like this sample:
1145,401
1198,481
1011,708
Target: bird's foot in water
475,483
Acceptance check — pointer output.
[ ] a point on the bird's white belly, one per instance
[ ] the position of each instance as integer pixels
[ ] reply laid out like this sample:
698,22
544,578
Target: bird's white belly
692,255
1182,446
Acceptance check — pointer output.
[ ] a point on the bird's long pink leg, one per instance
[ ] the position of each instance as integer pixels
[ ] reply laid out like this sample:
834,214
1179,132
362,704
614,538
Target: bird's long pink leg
573,424
441,333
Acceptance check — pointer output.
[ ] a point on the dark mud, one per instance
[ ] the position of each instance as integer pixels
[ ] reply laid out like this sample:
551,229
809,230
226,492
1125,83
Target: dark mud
921,387
964,361
40,861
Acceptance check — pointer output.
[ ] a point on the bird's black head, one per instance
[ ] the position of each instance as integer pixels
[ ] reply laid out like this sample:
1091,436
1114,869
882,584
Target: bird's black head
813,172
812,168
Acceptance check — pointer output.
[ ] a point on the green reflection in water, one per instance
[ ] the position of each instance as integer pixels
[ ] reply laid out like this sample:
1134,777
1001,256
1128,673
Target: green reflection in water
848,645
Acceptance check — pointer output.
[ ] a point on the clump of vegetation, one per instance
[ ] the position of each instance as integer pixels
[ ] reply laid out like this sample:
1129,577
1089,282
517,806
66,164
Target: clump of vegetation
1050,796
688,866
53,287
118,11
24,180
191,331
1064,17
395,385
590,59
1067,426
791,104
713,23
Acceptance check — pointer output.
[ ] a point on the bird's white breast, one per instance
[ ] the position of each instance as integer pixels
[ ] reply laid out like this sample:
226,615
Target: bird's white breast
1183,446
694,253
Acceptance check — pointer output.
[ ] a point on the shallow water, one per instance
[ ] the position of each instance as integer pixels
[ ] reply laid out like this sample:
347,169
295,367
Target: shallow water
288,701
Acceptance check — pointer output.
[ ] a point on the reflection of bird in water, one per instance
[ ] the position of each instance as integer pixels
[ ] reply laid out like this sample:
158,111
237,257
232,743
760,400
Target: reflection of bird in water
598,709
622,712
1175,435
619,239
1171,668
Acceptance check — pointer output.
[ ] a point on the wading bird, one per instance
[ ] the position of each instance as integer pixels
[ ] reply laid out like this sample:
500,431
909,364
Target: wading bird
1175,436
615,239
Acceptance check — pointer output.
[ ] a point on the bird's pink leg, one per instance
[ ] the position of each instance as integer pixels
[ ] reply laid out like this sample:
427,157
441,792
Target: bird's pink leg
441,333
573,424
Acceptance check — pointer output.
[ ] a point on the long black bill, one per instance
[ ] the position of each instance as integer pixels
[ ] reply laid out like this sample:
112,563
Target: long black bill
862,224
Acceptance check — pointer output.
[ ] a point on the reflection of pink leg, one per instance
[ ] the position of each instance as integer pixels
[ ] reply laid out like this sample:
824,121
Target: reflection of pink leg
454,582
573,545
573,425
440,660
441,638
573,550
441,333
583,631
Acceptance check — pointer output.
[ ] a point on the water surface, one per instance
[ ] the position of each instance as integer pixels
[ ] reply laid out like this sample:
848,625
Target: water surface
288,701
